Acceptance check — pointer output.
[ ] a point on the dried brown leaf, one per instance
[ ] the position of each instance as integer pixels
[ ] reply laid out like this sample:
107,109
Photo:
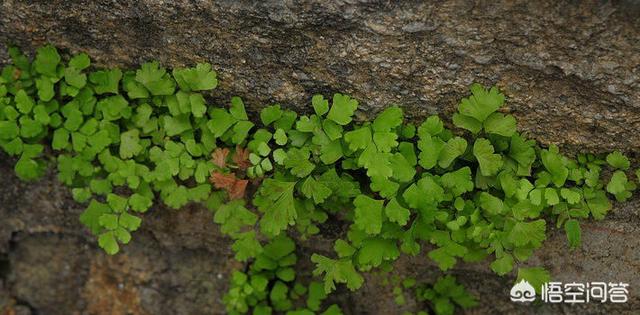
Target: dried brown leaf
235,187
16,74
219,157
222,180
241,158
238,189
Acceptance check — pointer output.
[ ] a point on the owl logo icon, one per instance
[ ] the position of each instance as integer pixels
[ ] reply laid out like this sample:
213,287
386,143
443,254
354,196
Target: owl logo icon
523,292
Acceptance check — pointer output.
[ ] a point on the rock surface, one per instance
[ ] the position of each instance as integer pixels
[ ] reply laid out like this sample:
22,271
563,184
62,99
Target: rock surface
571,72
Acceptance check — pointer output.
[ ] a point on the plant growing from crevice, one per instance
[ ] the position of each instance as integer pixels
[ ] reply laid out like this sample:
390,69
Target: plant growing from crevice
123,140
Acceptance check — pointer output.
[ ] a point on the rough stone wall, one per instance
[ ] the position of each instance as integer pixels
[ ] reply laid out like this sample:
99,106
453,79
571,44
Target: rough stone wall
571,71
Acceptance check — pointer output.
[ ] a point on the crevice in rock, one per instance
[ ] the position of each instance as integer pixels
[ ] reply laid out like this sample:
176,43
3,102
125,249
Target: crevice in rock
25,304
5,266
5,263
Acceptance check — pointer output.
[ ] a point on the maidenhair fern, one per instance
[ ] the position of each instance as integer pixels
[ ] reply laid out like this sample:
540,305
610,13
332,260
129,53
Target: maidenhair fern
123,140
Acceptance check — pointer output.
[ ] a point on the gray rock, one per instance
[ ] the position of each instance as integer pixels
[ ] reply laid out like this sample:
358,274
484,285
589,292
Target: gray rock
554,60
570,71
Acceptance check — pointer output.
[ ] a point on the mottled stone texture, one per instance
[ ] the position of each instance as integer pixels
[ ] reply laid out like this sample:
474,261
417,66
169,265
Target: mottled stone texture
571,71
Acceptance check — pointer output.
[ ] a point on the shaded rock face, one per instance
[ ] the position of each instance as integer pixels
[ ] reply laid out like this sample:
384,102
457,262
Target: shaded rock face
571,72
